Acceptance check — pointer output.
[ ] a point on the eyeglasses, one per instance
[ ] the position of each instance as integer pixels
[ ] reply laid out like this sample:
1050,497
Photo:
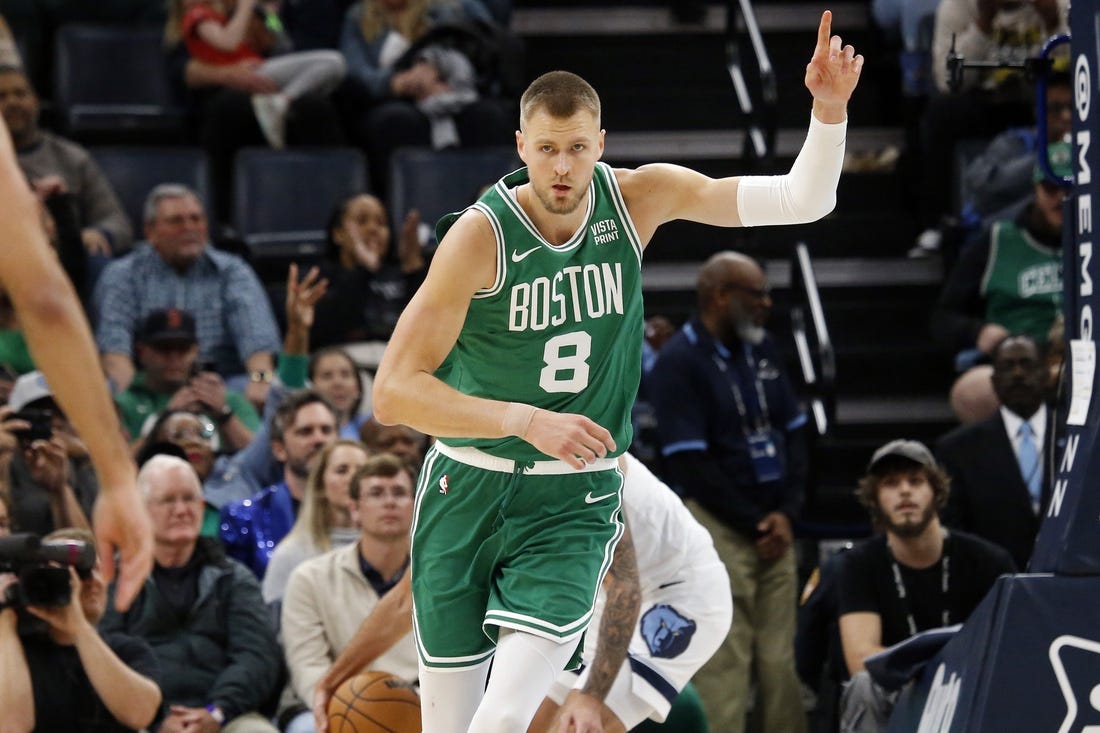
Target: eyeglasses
178,220
379,494
758,293
203,431
168,501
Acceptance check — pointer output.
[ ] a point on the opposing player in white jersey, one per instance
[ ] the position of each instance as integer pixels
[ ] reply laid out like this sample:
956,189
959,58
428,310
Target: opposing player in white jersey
685,612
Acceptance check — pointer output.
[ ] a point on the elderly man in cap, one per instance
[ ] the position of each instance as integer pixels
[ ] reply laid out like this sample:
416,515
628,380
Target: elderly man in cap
171,377
910,577
50,477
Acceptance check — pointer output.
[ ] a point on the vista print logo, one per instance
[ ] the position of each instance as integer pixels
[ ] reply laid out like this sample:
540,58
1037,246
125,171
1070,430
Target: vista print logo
939,708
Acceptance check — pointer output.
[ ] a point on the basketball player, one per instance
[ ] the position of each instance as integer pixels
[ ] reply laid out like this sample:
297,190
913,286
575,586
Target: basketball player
521,353
674,576
686,609
61,343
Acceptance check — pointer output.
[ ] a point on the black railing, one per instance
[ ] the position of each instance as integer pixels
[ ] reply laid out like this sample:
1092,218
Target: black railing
814,348
761,118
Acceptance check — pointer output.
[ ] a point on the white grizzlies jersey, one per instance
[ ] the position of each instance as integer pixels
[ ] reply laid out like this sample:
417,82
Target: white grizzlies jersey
686,604
667,538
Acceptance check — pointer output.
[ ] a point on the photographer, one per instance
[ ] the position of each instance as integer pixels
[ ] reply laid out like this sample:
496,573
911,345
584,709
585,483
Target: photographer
69,677
172,377
50,477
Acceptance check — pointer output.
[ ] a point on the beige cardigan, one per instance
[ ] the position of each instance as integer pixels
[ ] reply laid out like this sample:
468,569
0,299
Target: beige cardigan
326,600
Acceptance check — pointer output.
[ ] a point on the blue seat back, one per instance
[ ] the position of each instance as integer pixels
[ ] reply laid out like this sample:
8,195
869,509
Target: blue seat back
437,182
113,79
133,171
282,198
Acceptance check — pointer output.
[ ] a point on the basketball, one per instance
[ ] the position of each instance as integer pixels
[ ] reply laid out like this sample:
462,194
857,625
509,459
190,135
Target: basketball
374,702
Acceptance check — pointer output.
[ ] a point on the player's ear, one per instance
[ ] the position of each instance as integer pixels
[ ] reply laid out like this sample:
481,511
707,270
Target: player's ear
520,145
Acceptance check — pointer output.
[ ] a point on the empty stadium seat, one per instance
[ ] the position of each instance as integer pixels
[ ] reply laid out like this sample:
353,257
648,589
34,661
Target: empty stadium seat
133,171
113,81
282,198
437,182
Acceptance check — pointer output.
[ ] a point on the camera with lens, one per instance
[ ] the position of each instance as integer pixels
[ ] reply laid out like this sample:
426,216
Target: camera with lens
41,425
42,567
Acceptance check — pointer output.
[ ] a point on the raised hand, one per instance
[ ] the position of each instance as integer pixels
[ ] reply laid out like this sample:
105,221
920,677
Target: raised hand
833,72
302,296
408,246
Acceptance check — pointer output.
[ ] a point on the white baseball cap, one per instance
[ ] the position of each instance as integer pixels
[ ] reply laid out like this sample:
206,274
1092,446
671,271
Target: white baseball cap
28,388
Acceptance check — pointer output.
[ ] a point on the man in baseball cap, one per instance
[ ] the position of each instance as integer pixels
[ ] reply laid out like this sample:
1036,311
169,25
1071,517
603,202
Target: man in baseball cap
172,376
911,577
31,390
51,481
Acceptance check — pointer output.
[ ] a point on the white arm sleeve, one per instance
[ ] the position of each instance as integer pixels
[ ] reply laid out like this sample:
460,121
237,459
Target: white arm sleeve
805,194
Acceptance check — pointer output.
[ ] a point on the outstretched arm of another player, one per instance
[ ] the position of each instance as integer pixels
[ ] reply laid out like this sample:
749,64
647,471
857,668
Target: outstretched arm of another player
389,621
660,193
406,390
61,343
583,710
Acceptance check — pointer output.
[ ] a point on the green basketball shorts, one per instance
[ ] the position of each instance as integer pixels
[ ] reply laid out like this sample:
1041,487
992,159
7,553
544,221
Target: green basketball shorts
496,544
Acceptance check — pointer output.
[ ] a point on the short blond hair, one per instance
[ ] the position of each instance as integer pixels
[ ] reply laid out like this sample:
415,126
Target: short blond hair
561,94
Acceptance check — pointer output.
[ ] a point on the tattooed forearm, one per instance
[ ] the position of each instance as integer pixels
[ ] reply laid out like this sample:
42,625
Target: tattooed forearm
620,614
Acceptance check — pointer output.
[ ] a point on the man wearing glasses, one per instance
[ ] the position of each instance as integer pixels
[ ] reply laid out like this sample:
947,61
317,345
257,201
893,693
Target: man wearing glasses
732,435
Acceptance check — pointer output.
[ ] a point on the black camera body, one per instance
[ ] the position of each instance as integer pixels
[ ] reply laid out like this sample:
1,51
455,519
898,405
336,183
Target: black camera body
42,568
41,425
201,366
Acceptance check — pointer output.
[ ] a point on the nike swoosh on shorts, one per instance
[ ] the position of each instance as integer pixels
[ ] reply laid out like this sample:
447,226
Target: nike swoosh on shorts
589,499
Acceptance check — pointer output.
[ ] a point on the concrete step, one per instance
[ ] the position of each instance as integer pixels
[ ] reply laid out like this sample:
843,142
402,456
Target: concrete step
832,272
634,147
603,19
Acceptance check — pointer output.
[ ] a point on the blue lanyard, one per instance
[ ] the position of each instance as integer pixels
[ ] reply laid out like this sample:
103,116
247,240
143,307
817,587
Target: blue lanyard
761,400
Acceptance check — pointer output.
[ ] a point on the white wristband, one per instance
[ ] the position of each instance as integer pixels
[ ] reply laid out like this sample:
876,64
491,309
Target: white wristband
805,194
517,419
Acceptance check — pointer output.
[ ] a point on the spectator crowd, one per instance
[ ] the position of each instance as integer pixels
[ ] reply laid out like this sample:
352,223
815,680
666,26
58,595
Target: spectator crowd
282,509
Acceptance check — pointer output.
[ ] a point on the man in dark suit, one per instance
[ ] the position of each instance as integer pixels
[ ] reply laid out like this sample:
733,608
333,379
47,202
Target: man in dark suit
999,480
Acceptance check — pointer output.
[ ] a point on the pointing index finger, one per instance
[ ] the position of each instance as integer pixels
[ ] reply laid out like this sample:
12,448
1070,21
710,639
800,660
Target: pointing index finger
824,32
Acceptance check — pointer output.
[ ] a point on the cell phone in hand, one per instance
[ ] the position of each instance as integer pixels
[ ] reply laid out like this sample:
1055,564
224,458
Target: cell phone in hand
41,425
203,365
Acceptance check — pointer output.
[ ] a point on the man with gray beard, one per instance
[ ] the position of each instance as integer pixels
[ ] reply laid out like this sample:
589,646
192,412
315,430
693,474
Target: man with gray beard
733,439
913,576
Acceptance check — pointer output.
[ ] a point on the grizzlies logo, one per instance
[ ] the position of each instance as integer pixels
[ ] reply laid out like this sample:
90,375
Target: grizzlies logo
666,632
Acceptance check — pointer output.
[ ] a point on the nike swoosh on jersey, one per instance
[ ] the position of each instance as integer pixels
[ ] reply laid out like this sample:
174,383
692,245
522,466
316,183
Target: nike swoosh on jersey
589,499
521,256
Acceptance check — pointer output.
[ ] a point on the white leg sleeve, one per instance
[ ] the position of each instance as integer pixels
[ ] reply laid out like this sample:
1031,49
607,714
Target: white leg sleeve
805,194
448,700
524,668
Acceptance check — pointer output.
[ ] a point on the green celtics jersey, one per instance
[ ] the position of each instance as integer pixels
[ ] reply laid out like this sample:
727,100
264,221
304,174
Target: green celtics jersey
1022,283
561,326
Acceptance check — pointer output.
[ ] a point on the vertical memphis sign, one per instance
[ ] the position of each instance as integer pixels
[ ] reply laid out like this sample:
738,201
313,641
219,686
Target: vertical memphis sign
1069,539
